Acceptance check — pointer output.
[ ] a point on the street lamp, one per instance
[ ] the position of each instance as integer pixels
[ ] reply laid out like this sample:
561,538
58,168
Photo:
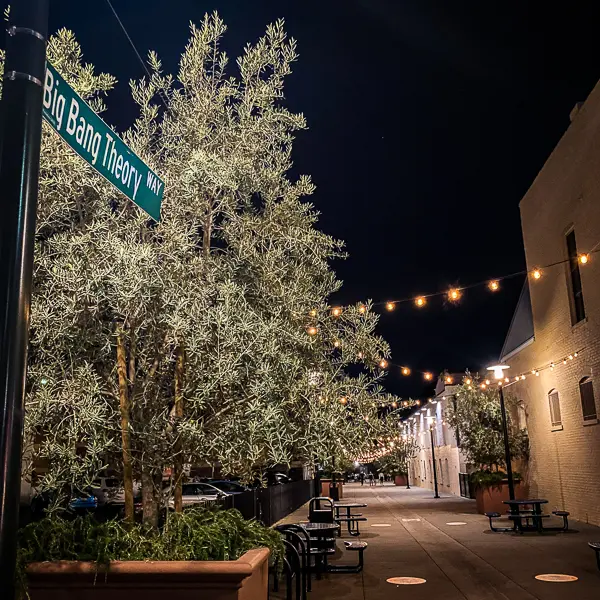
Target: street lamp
435,483
499,375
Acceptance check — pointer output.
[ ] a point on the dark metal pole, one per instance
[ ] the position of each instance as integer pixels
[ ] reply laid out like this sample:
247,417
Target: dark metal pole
433,461
19,167
509,473
407,480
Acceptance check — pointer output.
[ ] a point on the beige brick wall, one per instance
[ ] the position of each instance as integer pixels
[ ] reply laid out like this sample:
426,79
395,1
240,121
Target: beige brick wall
564,466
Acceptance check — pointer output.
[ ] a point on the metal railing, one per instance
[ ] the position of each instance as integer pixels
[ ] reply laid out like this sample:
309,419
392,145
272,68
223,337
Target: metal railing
272,503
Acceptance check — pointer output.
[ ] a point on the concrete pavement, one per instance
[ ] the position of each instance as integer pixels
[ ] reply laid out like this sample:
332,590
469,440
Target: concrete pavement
410,534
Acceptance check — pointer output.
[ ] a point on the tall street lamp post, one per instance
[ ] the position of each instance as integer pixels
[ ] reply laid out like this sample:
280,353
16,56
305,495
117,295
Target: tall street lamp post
499,375
435,483
22,93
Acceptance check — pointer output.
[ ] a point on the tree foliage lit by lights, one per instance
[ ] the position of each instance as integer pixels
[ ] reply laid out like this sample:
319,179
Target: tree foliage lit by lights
155,345
474,414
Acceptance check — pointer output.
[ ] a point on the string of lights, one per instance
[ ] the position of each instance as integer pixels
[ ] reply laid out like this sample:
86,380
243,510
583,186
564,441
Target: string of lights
455,294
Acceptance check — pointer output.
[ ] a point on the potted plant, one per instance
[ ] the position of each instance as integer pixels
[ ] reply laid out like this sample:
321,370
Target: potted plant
396,462
201,550
475,417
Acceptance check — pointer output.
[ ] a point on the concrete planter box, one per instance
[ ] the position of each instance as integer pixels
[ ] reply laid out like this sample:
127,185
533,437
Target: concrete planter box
243,579
325,488
400,480
492,499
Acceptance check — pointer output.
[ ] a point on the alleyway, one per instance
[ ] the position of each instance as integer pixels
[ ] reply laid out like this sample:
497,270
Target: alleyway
461,561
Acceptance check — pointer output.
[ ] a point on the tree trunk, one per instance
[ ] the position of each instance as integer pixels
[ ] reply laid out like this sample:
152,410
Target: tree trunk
149,502
125,416
207,233
178,467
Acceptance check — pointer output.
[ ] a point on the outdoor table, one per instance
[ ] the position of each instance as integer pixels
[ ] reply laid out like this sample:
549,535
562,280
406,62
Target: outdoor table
338,506
319,530
535,515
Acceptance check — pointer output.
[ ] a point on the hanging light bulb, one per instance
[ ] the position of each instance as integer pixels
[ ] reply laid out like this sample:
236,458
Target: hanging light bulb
390,306
394,404
420,301
483,386
313,312
454,295
383,363
343,400
584,258
405,371
449,379
523,377
336,312
336,344
575,355
312,331
494,285
362,309
405,403
570,357
428,376
506,379
468,380
536,273
361,355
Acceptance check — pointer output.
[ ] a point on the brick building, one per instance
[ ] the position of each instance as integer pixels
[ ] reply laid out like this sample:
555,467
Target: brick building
558,319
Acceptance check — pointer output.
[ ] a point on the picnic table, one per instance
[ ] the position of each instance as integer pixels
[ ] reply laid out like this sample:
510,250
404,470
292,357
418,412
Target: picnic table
518,513
351,520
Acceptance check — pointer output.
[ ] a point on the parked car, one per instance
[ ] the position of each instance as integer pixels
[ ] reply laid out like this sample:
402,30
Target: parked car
198,493
229,488
109,490
82,501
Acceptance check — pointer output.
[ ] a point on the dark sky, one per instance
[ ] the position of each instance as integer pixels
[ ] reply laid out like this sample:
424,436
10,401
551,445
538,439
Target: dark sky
428,121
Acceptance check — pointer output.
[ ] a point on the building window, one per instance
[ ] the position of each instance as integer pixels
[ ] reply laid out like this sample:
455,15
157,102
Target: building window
577,306
554,403
588,403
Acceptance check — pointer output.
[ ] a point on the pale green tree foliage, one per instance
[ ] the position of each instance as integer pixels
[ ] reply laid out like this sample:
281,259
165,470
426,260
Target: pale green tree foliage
476,418
190,340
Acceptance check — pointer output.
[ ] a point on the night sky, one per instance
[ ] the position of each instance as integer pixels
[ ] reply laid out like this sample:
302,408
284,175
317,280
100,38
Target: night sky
428,121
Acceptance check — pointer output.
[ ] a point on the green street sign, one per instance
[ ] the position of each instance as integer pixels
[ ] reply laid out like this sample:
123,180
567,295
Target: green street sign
99,145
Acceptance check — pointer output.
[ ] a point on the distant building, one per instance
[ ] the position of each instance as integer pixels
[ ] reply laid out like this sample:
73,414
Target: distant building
450,461
558,319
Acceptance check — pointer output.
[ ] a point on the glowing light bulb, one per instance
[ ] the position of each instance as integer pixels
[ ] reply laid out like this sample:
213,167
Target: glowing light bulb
405,403
487,382
469,387
494,285
536,273
405,371
449,380
570,357
361,355
418,403
468,381
575,355
584,258
312,331
506,379
343,400
362,309
454,295
390,306
537,373
428,376
313,313
564,361
523,377
383,363
336,344
394,404
483,386
336,312
420,301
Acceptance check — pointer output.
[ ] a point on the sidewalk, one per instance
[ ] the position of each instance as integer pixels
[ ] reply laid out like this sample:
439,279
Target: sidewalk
458,562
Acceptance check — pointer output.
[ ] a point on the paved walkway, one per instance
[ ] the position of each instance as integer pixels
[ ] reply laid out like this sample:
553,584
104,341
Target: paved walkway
458,562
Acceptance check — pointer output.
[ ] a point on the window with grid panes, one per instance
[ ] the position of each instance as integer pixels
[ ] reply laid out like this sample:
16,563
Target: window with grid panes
554,402
588,402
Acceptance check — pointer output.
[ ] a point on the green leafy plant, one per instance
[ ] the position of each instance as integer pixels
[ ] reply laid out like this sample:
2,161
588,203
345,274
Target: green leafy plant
195,534
485,478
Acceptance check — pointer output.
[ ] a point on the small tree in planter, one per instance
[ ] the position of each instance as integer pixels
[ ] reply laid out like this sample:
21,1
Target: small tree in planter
475,416
397,462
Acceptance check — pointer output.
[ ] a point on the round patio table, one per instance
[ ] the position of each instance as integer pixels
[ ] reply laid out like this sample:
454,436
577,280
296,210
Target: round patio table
320,530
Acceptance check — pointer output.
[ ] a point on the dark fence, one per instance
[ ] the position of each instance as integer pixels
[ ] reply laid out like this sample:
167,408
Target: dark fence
272,503
465,485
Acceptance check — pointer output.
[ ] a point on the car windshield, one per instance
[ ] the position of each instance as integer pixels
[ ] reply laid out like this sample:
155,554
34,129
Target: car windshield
199,489
228,486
